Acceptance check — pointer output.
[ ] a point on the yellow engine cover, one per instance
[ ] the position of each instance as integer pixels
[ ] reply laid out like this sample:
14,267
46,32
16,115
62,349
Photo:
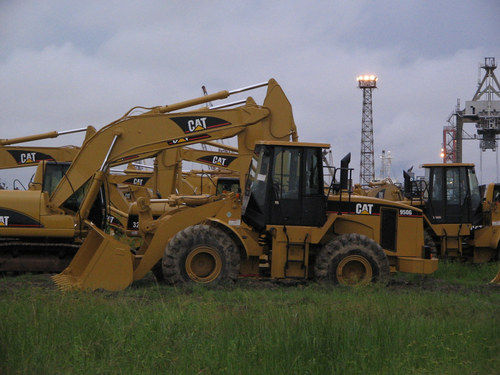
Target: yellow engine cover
19,210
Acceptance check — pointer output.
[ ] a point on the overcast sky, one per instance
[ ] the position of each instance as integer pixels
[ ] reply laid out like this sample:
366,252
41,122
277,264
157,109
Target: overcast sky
68,64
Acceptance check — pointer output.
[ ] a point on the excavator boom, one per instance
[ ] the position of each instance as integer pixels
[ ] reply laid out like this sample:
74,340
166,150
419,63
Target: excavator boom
136,137
14,156
25,156
132,137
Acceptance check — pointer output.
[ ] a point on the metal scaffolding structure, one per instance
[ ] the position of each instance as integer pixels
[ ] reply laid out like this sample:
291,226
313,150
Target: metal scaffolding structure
385,165
483,110
367,163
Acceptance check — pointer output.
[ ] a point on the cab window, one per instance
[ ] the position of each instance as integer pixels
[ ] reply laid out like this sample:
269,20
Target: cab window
286,173
312,172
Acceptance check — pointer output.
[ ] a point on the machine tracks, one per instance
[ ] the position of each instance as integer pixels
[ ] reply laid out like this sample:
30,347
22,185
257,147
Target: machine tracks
44,257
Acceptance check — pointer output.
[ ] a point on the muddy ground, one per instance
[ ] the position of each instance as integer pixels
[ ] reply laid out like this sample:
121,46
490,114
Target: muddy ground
9,284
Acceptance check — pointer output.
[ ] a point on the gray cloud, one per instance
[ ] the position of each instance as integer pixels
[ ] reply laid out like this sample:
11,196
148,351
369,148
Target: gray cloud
67,64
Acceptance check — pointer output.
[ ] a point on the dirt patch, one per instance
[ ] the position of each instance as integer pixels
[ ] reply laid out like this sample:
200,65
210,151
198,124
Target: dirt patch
437,285
9,284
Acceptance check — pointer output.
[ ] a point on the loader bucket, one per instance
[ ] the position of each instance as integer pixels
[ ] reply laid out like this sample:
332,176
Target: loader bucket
101,262
496,279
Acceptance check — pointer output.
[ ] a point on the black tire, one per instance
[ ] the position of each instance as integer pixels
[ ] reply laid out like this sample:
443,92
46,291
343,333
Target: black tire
203,254
351,259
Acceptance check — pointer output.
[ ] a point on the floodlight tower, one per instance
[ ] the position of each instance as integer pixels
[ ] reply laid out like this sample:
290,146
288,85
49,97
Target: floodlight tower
367,83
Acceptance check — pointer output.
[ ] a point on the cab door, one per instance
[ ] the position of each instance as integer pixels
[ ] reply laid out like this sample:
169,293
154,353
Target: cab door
285,199
450,198
297,196
313,196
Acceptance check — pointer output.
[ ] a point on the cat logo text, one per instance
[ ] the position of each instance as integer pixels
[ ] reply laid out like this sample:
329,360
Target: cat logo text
364,208
28,157
218,160
197,124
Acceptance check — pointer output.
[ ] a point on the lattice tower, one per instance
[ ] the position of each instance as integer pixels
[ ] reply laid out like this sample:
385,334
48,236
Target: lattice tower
367,163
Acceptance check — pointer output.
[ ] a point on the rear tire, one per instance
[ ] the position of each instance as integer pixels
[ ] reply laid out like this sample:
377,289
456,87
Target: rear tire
352,259
201,254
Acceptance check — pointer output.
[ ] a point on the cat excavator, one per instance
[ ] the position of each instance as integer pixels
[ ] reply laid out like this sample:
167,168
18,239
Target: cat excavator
284,225
36,226
52,163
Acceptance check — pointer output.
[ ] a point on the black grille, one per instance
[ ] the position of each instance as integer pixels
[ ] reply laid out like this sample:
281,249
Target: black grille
388,227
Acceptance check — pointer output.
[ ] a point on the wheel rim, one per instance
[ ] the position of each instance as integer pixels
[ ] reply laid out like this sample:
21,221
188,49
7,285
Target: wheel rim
203,264
354,269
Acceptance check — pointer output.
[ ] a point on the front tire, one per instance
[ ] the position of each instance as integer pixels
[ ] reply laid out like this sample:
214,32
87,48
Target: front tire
352,259
201,254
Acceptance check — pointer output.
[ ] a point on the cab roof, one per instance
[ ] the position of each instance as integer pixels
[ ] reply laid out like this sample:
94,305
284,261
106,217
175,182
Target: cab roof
293,144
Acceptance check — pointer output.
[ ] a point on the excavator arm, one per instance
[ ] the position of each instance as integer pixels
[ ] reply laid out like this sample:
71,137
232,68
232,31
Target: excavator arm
14,156
136,137
105,262
26,156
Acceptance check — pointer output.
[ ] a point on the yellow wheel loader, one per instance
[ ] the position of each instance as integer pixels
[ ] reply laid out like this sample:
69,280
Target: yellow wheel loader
283,218
284,226
459,220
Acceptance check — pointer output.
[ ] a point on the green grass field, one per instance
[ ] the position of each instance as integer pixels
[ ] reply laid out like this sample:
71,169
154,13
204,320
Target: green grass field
444,324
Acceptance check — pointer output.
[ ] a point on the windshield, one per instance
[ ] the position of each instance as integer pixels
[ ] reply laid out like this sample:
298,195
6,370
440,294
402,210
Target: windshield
475,196
53,175
255,189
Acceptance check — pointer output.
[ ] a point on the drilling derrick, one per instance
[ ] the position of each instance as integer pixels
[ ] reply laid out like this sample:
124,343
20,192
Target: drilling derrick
449,152
483,110
367,164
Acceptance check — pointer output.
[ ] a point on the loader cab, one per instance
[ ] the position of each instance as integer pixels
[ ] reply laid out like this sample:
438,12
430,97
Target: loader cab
285,185
453,194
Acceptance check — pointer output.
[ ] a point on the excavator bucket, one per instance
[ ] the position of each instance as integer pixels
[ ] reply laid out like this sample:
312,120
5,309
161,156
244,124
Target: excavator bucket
496,279
101,262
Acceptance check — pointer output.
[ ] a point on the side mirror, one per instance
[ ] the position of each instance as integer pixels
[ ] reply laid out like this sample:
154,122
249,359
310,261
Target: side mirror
407,184
344,171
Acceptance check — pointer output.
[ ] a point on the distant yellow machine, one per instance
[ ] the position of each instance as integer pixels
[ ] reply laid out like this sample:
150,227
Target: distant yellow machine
384,189
461,221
